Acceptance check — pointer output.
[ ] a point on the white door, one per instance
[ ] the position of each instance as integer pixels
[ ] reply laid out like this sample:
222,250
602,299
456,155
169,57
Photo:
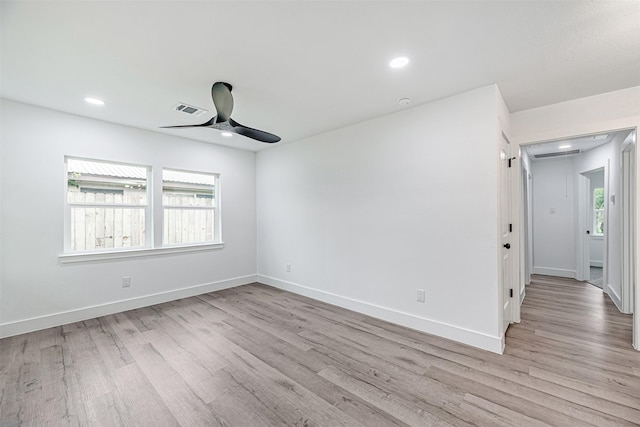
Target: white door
505,232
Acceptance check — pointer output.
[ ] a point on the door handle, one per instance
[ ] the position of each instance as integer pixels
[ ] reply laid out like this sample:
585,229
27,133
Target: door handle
507,245
588,232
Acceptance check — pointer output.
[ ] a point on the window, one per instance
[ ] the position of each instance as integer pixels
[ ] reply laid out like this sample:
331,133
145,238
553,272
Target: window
108,205
190,207
111,209
598,211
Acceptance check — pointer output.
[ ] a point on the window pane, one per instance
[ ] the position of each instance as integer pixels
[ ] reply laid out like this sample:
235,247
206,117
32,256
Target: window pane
91,182
598,198
599,222
187,188
188,226
182,198
108,227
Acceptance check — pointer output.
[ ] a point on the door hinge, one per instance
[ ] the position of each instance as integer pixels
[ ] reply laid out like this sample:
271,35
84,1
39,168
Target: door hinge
512,158
510,228
511,293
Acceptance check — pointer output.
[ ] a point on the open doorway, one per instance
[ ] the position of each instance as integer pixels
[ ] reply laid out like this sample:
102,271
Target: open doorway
578,212
592,211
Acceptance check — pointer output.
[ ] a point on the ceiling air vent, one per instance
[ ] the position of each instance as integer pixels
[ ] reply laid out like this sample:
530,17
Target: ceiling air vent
560,153
189,109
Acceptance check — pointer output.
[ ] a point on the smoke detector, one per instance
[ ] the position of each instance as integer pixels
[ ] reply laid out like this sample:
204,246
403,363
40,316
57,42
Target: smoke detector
189,109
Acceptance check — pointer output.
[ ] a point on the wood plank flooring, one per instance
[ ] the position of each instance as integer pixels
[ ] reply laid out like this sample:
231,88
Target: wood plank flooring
258,356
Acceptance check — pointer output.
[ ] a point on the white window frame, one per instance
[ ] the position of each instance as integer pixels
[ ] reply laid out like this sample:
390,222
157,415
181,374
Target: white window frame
153,221
217,229
148,215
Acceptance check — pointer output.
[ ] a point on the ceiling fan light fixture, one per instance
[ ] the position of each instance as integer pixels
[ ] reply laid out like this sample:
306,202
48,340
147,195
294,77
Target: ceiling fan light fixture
399,62
93,101
222,121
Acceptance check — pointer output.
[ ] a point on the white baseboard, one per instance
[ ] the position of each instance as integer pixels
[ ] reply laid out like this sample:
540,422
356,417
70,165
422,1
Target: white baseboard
614,297
558,272
466,336
593,263
62,318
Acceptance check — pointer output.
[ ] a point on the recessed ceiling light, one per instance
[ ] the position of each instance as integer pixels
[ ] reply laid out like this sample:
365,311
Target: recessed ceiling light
399,62
565,146
94,101
404,101
226,134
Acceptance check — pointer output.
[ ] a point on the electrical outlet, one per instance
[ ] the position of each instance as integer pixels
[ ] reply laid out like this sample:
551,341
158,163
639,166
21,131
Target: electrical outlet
420,295
288,268
126,281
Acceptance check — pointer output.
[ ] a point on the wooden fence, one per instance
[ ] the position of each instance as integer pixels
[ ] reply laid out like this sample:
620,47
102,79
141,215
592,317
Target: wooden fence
112,226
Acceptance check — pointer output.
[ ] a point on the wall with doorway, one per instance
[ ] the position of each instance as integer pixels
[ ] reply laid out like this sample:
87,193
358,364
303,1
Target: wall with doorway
555,214
554,217
590,115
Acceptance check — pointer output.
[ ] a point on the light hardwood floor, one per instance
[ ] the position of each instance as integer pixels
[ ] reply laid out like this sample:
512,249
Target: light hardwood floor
258,356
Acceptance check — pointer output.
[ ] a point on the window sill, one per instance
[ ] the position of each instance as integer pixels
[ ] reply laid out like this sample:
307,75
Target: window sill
135,253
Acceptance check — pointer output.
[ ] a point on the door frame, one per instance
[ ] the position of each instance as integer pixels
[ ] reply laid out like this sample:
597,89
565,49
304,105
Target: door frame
629,226
526,235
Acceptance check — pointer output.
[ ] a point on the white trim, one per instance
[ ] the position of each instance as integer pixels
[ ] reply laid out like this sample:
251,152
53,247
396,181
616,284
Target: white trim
522,295
558,272
595,263
135,253
615,297
64,317
452,332
628,205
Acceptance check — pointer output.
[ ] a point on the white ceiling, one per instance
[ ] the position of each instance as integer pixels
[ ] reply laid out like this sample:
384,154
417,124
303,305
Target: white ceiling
582,143
300,68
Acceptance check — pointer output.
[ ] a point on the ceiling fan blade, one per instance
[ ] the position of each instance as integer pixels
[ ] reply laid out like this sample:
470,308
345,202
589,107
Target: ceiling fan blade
223,100
258,135
209,123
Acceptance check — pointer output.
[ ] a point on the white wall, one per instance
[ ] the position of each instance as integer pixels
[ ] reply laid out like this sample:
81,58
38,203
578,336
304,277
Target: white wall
596,251
367,214
553,217
595,114
37,291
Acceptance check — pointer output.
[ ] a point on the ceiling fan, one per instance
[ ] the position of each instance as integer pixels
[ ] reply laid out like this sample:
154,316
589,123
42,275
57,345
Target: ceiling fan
223,100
